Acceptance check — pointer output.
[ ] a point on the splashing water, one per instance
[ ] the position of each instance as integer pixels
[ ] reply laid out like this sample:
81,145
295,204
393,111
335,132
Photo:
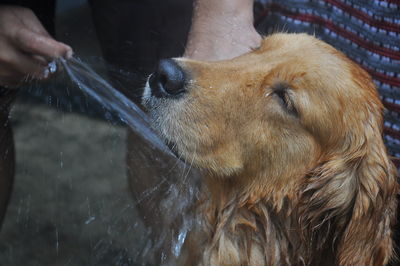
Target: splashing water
113,100
177,200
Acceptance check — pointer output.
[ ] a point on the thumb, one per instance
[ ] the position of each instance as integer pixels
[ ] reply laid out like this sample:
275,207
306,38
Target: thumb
38,44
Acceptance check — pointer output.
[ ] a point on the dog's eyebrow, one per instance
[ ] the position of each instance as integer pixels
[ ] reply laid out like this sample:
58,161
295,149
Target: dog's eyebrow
280,86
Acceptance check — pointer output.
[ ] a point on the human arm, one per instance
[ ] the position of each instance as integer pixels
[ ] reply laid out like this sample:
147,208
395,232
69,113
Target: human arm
221,29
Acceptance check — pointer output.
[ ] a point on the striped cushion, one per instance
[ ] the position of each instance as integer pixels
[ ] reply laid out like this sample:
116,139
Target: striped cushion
366,31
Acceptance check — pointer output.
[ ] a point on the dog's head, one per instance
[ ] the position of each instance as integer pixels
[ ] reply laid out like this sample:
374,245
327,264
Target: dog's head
280,110
293,115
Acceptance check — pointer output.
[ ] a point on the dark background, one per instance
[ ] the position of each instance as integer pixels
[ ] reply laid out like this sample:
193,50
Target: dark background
71,204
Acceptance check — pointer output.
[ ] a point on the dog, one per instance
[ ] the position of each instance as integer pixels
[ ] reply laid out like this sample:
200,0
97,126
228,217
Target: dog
289,142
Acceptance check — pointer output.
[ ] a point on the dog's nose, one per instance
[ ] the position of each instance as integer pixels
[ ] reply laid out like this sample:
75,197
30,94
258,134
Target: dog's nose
168,80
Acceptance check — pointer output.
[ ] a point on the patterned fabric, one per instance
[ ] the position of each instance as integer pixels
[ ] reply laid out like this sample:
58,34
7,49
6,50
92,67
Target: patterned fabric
368,32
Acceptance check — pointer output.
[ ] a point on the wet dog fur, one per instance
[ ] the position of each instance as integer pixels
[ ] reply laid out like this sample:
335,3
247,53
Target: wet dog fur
288,138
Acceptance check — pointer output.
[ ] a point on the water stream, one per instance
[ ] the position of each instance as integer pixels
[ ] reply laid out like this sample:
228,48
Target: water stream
99,89
180,195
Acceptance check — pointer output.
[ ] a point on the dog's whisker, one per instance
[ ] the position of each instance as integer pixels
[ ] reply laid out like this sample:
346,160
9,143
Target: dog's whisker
190,168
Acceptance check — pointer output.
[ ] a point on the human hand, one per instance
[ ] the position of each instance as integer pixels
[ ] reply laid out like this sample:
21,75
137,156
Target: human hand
26,48
222,29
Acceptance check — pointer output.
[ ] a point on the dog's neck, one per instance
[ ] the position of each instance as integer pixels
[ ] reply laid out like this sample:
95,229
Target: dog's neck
248,189
248,225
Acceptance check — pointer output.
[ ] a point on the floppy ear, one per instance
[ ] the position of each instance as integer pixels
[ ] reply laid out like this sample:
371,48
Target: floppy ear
367,238
350,200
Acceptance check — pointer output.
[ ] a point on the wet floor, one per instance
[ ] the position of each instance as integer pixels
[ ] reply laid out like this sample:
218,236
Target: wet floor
71,204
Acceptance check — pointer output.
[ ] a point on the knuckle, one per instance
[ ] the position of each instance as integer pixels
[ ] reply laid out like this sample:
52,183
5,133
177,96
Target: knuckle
18,34
26,39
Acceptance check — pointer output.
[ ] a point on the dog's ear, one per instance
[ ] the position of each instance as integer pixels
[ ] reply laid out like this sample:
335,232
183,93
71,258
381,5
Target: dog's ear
367,238
351,199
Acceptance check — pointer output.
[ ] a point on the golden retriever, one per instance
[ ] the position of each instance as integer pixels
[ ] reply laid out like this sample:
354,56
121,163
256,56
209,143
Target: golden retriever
288,138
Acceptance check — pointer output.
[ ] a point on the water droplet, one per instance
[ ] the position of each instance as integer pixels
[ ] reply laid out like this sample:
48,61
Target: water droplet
91,219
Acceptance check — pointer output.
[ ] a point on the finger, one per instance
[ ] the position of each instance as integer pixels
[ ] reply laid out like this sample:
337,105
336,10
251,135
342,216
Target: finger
41,59
13,79
33,43
26,65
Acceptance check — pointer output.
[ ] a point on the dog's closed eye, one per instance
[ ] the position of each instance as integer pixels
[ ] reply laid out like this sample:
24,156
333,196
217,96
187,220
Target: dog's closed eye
282,95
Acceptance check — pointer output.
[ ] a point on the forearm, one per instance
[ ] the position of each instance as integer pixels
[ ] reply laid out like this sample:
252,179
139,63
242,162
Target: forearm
221,29
242,9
